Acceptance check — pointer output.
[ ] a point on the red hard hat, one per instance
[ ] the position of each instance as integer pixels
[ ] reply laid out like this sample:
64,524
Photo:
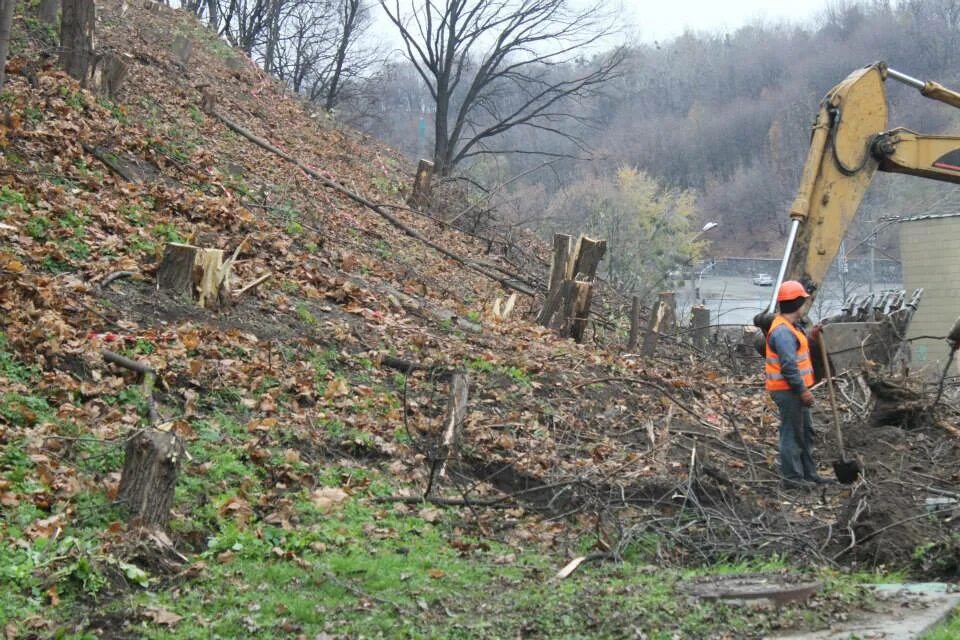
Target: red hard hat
791,290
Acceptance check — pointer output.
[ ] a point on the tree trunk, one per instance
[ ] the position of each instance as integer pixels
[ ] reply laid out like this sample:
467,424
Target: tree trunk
6,19
76,38
214,17
47,12
150,466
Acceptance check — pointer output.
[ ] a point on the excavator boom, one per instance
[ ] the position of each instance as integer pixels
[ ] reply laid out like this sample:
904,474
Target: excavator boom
849,144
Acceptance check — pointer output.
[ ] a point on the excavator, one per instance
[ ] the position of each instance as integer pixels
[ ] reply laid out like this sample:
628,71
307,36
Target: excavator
850,142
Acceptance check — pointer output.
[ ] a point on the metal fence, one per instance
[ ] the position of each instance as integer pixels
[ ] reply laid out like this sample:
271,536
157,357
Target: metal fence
857,268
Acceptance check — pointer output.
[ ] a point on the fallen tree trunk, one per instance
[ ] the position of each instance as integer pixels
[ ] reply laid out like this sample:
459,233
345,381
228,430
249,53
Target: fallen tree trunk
327,182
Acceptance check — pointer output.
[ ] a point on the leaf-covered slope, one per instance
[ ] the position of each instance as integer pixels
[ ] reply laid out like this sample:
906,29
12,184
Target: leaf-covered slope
292,401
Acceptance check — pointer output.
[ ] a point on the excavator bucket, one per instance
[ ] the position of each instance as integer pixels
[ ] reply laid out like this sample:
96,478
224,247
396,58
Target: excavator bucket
871,328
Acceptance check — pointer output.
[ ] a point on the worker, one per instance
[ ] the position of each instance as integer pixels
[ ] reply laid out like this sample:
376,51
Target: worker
789,372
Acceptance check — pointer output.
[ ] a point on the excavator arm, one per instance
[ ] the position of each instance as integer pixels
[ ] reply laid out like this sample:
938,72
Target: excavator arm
849,144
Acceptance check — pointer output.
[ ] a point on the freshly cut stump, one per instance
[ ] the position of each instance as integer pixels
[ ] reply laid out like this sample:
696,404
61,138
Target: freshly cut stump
195,273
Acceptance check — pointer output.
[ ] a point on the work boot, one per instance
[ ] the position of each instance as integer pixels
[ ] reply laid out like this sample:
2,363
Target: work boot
819,480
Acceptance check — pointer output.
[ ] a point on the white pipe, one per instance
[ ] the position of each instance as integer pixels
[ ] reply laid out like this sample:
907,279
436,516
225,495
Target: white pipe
791,239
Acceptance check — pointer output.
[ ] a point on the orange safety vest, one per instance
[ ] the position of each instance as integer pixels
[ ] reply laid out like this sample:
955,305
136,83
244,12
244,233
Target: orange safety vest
775,379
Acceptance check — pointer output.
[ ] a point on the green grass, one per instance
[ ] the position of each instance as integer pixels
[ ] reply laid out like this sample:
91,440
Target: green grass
10,200
370,571
949,630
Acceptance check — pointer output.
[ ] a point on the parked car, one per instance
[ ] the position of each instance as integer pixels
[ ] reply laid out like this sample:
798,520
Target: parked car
763,280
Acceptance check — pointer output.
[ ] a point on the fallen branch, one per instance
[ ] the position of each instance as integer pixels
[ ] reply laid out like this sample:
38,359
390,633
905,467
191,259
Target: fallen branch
497,503
253,285
111,164
149,377
116,275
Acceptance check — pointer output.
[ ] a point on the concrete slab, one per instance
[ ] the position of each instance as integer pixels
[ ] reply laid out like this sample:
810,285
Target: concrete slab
904,612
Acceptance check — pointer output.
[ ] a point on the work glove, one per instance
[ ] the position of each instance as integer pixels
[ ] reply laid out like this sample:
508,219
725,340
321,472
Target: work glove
806,398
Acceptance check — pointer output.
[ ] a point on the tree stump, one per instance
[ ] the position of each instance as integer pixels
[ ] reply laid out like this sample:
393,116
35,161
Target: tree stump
76,38
654,323
581,296
420,194
150,475
558,269
196,274
701,326
589,252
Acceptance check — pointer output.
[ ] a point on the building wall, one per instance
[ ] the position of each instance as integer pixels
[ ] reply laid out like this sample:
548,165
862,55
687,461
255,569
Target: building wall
930,250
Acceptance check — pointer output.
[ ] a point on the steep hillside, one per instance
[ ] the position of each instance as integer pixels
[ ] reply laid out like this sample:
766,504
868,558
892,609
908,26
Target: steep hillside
315,495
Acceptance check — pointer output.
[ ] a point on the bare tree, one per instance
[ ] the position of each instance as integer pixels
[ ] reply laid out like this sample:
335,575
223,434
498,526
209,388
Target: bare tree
6,20
335,54
76,38
473,53
245,22
354,18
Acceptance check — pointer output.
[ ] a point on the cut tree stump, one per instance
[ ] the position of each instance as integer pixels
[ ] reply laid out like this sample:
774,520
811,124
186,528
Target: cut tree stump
197,274
571,283
581,297
701,326
589,253
149,476
558,269
420,195
652,335
453,423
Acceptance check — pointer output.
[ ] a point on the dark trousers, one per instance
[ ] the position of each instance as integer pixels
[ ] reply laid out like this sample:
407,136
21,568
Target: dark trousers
796,437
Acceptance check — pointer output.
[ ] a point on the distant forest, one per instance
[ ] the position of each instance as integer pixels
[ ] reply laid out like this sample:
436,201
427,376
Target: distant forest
725,116
640,143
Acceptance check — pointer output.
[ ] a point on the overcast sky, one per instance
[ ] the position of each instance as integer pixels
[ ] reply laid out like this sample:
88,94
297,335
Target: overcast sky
665,19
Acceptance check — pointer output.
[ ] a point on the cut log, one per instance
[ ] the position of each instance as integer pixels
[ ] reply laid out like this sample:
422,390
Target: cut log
196,274
149,476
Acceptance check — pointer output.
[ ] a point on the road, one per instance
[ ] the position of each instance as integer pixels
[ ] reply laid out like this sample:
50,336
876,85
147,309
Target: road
735,300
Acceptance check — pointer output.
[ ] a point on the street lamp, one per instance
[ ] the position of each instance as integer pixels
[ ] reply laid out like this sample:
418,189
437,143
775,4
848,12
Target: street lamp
681,263
693,288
